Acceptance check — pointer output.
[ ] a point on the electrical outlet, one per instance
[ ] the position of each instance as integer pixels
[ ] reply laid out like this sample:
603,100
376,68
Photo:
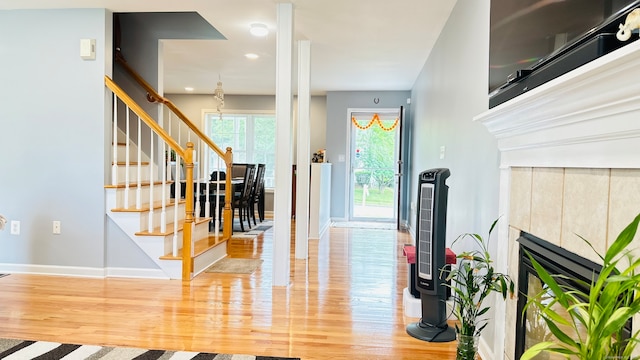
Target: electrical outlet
15,227
56,227
442,148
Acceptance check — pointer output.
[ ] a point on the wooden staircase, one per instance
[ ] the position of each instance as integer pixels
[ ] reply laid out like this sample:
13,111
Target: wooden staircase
139,198
156,242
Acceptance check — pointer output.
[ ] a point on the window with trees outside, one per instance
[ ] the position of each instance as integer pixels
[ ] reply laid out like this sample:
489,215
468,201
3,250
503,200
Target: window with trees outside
252,137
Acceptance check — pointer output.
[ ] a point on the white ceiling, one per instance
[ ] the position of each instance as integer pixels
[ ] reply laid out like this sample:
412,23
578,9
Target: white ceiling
356,45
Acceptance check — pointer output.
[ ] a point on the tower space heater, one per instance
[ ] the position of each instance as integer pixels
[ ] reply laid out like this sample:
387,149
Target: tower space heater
431,257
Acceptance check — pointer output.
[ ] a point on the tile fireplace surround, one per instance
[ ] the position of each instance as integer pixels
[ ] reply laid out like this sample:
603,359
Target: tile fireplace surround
570,164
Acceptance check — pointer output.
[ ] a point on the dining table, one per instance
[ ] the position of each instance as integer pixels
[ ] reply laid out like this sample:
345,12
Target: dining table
214,187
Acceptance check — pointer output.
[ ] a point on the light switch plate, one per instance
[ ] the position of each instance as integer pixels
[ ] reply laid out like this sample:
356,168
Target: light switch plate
88,49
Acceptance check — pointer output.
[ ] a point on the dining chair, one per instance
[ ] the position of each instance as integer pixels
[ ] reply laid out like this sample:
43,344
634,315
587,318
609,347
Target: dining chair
241,196
257,195
238,170
242,200
213,196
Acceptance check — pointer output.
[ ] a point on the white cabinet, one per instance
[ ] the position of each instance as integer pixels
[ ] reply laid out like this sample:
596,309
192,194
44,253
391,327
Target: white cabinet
319,199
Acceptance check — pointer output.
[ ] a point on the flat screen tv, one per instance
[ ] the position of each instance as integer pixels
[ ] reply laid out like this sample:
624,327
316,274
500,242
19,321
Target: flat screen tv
529,36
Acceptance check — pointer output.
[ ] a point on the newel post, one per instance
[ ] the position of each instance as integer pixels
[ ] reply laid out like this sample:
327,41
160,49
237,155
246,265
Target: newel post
187,233
227,225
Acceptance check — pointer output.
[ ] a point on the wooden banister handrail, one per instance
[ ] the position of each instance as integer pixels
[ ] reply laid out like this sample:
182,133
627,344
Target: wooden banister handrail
227,156
144,116
186,154
154,96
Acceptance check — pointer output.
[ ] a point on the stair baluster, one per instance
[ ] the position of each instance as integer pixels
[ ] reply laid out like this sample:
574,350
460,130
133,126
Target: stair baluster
114,161
127,161
152,178
139,167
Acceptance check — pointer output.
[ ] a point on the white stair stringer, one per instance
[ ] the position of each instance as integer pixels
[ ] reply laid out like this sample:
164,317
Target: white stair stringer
156,246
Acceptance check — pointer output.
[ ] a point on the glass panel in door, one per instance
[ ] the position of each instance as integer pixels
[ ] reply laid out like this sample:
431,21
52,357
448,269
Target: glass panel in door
374,155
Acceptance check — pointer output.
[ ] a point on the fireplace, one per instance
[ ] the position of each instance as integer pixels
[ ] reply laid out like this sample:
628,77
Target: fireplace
569,165
530,328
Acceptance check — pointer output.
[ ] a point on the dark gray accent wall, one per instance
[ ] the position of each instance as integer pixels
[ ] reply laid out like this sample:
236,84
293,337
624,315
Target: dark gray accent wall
337,141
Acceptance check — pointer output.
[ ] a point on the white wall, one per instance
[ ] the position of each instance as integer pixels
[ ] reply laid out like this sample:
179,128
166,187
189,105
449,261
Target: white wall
193,105
53,138
451,89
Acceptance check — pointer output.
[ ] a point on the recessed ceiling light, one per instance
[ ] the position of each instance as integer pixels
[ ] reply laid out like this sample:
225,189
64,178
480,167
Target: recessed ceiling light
251,56
188,89
258,29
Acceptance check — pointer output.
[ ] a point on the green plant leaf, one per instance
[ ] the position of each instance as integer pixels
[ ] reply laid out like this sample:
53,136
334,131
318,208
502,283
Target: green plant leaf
602,312
617,320
493,225
550,282
623,240
536,349
559,334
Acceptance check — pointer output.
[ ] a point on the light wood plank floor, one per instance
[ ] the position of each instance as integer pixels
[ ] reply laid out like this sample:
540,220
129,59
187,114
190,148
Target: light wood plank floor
345,302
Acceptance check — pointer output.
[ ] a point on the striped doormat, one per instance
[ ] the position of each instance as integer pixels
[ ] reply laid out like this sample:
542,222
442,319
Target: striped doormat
44,350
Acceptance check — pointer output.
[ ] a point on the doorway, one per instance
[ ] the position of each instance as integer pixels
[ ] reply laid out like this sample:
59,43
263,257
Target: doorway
374,158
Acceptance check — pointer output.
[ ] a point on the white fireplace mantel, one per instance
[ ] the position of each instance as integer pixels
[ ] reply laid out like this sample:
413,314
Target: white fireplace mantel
586,118
589,117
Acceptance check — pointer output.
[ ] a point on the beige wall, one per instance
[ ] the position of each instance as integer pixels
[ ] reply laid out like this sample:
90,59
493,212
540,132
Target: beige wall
557,204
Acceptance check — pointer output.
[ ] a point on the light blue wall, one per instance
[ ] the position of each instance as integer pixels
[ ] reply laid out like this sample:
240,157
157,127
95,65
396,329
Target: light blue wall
450,91
53,137
338,121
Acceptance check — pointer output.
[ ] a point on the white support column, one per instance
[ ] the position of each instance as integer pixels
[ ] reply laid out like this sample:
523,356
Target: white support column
303,155
282,195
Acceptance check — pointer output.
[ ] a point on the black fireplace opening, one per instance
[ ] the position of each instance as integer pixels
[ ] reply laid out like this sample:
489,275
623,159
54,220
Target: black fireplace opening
530,329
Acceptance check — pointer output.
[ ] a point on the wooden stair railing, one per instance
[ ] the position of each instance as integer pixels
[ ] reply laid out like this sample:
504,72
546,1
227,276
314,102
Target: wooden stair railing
186,154
227,156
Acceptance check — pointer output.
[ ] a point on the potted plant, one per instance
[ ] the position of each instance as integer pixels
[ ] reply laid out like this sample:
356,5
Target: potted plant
601,313
472,281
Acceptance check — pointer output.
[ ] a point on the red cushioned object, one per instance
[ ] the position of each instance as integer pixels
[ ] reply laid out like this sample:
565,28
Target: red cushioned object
410,252
450,256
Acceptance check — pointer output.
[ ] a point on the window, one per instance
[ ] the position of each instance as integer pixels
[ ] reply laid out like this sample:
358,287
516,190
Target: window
251,136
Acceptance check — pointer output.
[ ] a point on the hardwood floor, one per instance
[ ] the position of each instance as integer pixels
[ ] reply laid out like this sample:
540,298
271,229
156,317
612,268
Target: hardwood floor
345,302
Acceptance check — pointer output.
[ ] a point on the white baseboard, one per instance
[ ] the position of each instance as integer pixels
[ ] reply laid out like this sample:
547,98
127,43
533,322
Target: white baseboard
78,271
53,270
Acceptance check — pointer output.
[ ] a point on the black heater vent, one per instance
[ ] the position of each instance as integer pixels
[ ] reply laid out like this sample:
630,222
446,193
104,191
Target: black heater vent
425,236
431,228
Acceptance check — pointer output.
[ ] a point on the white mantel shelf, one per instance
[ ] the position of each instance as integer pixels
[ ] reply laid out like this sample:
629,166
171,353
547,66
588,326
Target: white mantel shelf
589,117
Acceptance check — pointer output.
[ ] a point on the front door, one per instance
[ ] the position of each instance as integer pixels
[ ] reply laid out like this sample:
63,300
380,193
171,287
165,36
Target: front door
374,160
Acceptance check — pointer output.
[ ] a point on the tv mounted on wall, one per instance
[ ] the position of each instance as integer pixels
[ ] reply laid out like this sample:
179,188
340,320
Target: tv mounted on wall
534,41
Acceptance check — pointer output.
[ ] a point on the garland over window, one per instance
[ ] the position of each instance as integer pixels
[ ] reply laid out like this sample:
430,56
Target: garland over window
374,120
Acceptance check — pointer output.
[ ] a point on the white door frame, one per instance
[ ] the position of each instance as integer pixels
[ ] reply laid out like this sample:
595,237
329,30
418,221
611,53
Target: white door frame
349,196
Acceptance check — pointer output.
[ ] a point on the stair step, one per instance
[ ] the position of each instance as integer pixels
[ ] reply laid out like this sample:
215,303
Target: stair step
200,247
156,231
132,163
135,184
146,207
